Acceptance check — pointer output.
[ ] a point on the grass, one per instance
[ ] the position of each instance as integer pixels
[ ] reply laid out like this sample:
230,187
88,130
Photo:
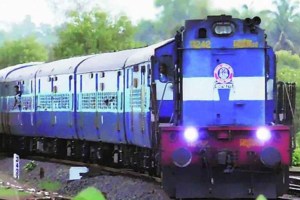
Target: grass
6,193
49,185
89,193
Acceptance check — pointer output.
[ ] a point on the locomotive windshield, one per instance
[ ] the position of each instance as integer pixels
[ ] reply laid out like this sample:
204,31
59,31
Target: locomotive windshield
223,28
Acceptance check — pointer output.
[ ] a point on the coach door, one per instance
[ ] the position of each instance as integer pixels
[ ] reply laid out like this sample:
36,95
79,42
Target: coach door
8,104
44,108
137,103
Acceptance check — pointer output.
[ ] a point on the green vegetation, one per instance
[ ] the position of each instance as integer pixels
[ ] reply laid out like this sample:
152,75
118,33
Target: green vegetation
87,29
30,166
296,157
22,51
9,193
93,32
49,185
287,59
288,66
90,193
296,153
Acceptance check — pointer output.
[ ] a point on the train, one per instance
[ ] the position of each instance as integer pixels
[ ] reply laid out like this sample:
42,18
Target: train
202,110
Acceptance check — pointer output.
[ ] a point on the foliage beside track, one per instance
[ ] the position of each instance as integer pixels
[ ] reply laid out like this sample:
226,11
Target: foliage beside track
296,157
49,185
288,65
90,193
296,153
8,193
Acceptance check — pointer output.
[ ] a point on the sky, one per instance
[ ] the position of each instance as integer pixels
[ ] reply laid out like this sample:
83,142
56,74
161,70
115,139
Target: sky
14,11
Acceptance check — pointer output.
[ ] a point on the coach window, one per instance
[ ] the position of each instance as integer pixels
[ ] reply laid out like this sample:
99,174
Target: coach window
18,94
119,73
39,86
101,86
91,75
70,82
102,74
166,68
135,82
163,73
31,87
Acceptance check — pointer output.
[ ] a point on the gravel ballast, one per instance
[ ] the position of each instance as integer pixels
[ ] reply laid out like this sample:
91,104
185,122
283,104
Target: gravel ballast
113,186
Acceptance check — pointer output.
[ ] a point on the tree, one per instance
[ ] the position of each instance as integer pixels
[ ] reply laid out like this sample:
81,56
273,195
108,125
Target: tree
172,17
3,37
283,26
22,51
288,71
284,43
93,32
248,11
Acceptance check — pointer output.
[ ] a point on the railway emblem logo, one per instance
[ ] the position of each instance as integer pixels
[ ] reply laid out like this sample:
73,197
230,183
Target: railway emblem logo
223,74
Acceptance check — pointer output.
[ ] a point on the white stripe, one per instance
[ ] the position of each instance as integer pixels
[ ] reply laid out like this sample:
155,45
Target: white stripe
203,89
160,89
200,89
248,88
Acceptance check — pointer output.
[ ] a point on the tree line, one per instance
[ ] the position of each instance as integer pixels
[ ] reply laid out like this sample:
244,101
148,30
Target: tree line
89,30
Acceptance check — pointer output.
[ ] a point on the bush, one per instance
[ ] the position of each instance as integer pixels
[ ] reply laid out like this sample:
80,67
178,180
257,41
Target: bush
296,157
287,59
30,166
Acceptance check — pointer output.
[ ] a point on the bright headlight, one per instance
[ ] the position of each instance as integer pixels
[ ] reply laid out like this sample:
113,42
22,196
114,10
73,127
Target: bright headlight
223,28
263,134
191,134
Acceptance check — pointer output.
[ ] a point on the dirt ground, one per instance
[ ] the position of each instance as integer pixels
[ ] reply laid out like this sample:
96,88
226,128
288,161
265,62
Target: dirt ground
54,182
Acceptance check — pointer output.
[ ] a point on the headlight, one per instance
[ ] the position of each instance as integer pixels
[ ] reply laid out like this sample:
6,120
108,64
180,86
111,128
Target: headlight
223,28
191,134
263,134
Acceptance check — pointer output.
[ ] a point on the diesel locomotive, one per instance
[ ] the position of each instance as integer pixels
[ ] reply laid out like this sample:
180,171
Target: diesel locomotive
202,109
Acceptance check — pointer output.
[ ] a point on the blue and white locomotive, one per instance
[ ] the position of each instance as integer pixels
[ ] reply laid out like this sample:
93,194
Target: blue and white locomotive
198,108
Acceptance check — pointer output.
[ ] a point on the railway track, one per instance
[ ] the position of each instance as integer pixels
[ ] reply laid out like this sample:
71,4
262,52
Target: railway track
98,170
294,185
106,176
